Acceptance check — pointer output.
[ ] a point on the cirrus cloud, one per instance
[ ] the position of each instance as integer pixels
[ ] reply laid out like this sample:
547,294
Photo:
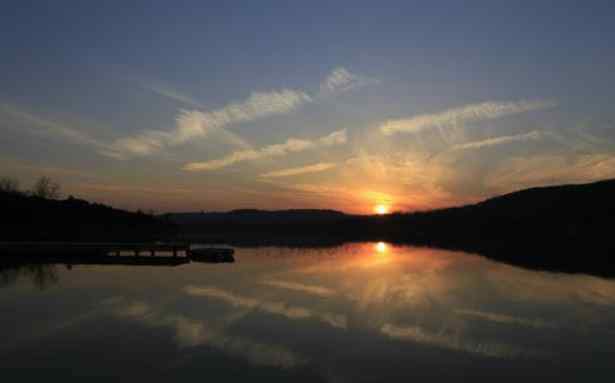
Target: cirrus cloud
341,80
315,168
191,124
469,113
531,136
292,145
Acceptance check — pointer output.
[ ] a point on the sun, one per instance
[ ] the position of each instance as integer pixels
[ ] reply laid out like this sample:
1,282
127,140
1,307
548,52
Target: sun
380,247
381,209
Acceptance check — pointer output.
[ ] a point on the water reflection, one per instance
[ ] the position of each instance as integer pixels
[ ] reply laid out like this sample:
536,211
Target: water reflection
381,247
41,276
191,332
360,312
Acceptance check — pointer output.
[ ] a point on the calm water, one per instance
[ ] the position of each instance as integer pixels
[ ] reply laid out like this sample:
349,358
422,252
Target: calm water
361,312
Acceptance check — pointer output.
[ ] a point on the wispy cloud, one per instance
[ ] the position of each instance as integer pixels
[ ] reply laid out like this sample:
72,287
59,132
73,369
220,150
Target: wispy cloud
170,93
191,124
41,125
468,113
342,80
315,168
292,145
195,123
110,188
549,169
502,140
140,145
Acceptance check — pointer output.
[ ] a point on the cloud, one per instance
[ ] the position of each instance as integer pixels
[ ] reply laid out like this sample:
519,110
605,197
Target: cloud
191,124
292,145
137,190
531,136
315,168
342,80
194,123
260,104
548,169
41,125
141,145
170,93
468,113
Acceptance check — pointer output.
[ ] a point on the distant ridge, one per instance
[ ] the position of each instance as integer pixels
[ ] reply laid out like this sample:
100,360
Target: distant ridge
256,216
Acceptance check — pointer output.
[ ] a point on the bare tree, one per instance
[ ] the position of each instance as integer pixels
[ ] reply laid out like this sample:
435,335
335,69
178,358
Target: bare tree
46,188
9,185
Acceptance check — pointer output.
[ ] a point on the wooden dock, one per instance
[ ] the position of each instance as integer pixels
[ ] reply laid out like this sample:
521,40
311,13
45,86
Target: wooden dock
9,261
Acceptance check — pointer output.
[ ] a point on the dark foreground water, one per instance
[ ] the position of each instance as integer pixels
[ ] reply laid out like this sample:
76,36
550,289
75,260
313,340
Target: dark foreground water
361,312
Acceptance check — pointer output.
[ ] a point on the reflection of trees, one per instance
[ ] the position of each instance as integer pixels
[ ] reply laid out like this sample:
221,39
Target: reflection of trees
41,275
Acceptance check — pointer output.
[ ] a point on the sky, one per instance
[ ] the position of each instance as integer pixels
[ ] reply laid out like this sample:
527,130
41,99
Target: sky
219,105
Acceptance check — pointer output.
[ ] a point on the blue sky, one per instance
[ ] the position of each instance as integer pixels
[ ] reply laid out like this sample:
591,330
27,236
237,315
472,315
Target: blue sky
200,105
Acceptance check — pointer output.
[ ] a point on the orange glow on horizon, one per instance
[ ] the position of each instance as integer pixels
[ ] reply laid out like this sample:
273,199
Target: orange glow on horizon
381,209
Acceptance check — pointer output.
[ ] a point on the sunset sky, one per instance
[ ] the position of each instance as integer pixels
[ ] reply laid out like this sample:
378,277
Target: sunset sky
203,105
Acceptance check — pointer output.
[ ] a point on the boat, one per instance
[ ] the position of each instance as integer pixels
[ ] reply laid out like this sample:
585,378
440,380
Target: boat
211,254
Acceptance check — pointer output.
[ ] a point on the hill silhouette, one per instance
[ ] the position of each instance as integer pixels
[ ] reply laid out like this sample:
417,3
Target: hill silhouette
32,218
260,217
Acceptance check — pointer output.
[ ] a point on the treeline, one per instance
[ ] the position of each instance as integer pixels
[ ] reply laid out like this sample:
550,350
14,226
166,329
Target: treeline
44,187
41,214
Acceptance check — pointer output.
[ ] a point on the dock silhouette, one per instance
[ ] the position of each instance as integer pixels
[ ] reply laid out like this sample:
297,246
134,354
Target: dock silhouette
101,253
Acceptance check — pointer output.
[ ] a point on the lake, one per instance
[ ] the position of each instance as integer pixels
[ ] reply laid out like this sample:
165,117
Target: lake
353,313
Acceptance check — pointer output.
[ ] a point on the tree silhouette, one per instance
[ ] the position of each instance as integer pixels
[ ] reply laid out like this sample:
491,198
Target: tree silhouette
9,185
46,188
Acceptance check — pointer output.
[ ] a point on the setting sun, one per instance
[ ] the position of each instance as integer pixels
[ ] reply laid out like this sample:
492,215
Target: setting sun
381,247
381,209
